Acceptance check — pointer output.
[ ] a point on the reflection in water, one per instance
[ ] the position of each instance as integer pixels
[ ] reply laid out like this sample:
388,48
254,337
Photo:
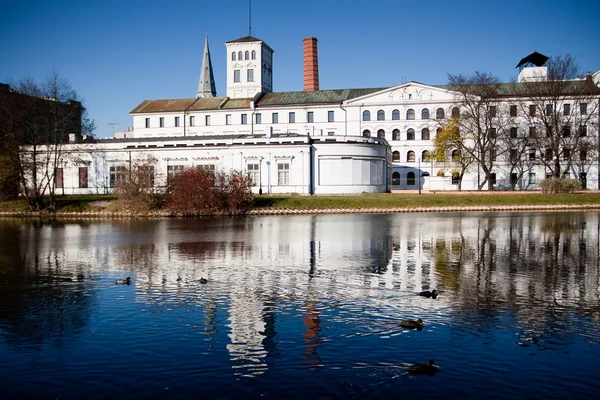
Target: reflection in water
331,288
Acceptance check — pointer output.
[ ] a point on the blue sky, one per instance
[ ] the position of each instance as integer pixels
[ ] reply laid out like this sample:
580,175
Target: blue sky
118,53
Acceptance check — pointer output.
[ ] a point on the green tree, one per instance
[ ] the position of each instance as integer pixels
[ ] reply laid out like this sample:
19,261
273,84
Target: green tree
449,149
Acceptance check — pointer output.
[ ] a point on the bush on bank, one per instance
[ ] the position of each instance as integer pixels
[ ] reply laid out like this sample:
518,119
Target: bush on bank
559,185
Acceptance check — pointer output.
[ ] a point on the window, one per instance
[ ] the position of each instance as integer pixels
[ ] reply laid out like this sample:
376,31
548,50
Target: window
380,115
513,132
176,121
381,134
240,56
244,119
410,156
116,174
513,111
493,155
396,115
283,174
566,109
425,134
275,118
566,132
456,178
161,122
253,55
410,134
425,113
58,178
147,122
410,179
395,134
583,155
367,133
492,178
532,132
254,173
532,178
233,57
292,117
366,115
207,120
548,109
258,118
439,113
548,155
583,179
455,112
410,114
582,130
492,111
247,55
514,178
532,110
250,75
437,132
492,133
146,175
83,177
173,169
236,75
531,154
396,156
396,178
583,108
192,120
310,117
455,155
514,155
330,116
426,156
227,119
566,154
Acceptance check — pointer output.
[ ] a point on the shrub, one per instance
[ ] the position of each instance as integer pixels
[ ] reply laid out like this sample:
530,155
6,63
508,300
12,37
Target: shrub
135,189
198,191
559,185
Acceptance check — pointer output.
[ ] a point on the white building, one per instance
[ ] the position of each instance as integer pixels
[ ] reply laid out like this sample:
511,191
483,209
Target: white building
318,141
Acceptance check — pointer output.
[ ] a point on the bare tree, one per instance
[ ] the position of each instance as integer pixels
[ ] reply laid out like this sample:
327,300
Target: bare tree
558,111
481,119
39,120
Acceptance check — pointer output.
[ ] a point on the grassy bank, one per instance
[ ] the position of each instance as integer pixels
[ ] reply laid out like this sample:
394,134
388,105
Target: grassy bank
365,201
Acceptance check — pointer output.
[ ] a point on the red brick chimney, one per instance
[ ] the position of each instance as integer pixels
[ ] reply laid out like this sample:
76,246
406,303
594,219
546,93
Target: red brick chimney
311,65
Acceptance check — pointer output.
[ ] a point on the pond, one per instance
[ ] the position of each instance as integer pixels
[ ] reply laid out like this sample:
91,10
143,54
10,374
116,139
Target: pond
301,307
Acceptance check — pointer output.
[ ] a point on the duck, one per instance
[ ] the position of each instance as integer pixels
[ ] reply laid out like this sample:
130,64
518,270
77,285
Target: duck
433,294
203,280
126,281
412,324
425,369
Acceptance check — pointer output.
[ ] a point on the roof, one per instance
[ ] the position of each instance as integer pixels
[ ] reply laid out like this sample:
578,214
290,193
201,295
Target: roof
248,39
313,97
534,58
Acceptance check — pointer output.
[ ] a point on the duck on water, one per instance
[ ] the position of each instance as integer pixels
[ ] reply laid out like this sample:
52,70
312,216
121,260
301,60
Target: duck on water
126,281
433,294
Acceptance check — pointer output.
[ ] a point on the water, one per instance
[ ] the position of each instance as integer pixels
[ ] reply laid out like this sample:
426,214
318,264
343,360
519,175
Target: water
301,307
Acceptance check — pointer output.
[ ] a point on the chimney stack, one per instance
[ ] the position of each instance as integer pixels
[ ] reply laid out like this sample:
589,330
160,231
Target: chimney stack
311,65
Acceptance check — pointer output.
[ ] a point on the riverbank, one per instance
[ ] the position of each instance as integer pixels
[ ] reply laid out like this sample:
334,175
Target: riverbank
103,206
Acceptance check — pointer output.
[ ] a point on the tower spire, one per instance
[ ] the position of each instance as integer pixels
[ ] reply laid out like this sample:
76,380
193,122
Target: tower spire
206,86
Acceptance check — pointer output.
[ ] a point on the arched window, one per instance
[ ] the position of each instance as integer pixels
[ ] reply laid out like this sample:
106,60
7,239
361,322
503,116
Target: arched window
425,134
366,115
425,113
396,156
426,156
410,156
380,115
396,179
437,132
253,55
455,155
247,55
396,134
410,114
410,179
396,115
381,134
410,134
240,55
439,113
233,58
455,112
367,133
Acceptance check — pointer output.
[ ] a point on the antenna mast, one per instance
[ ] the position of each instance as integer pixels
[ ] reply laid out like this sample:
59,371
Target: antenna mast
250,18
